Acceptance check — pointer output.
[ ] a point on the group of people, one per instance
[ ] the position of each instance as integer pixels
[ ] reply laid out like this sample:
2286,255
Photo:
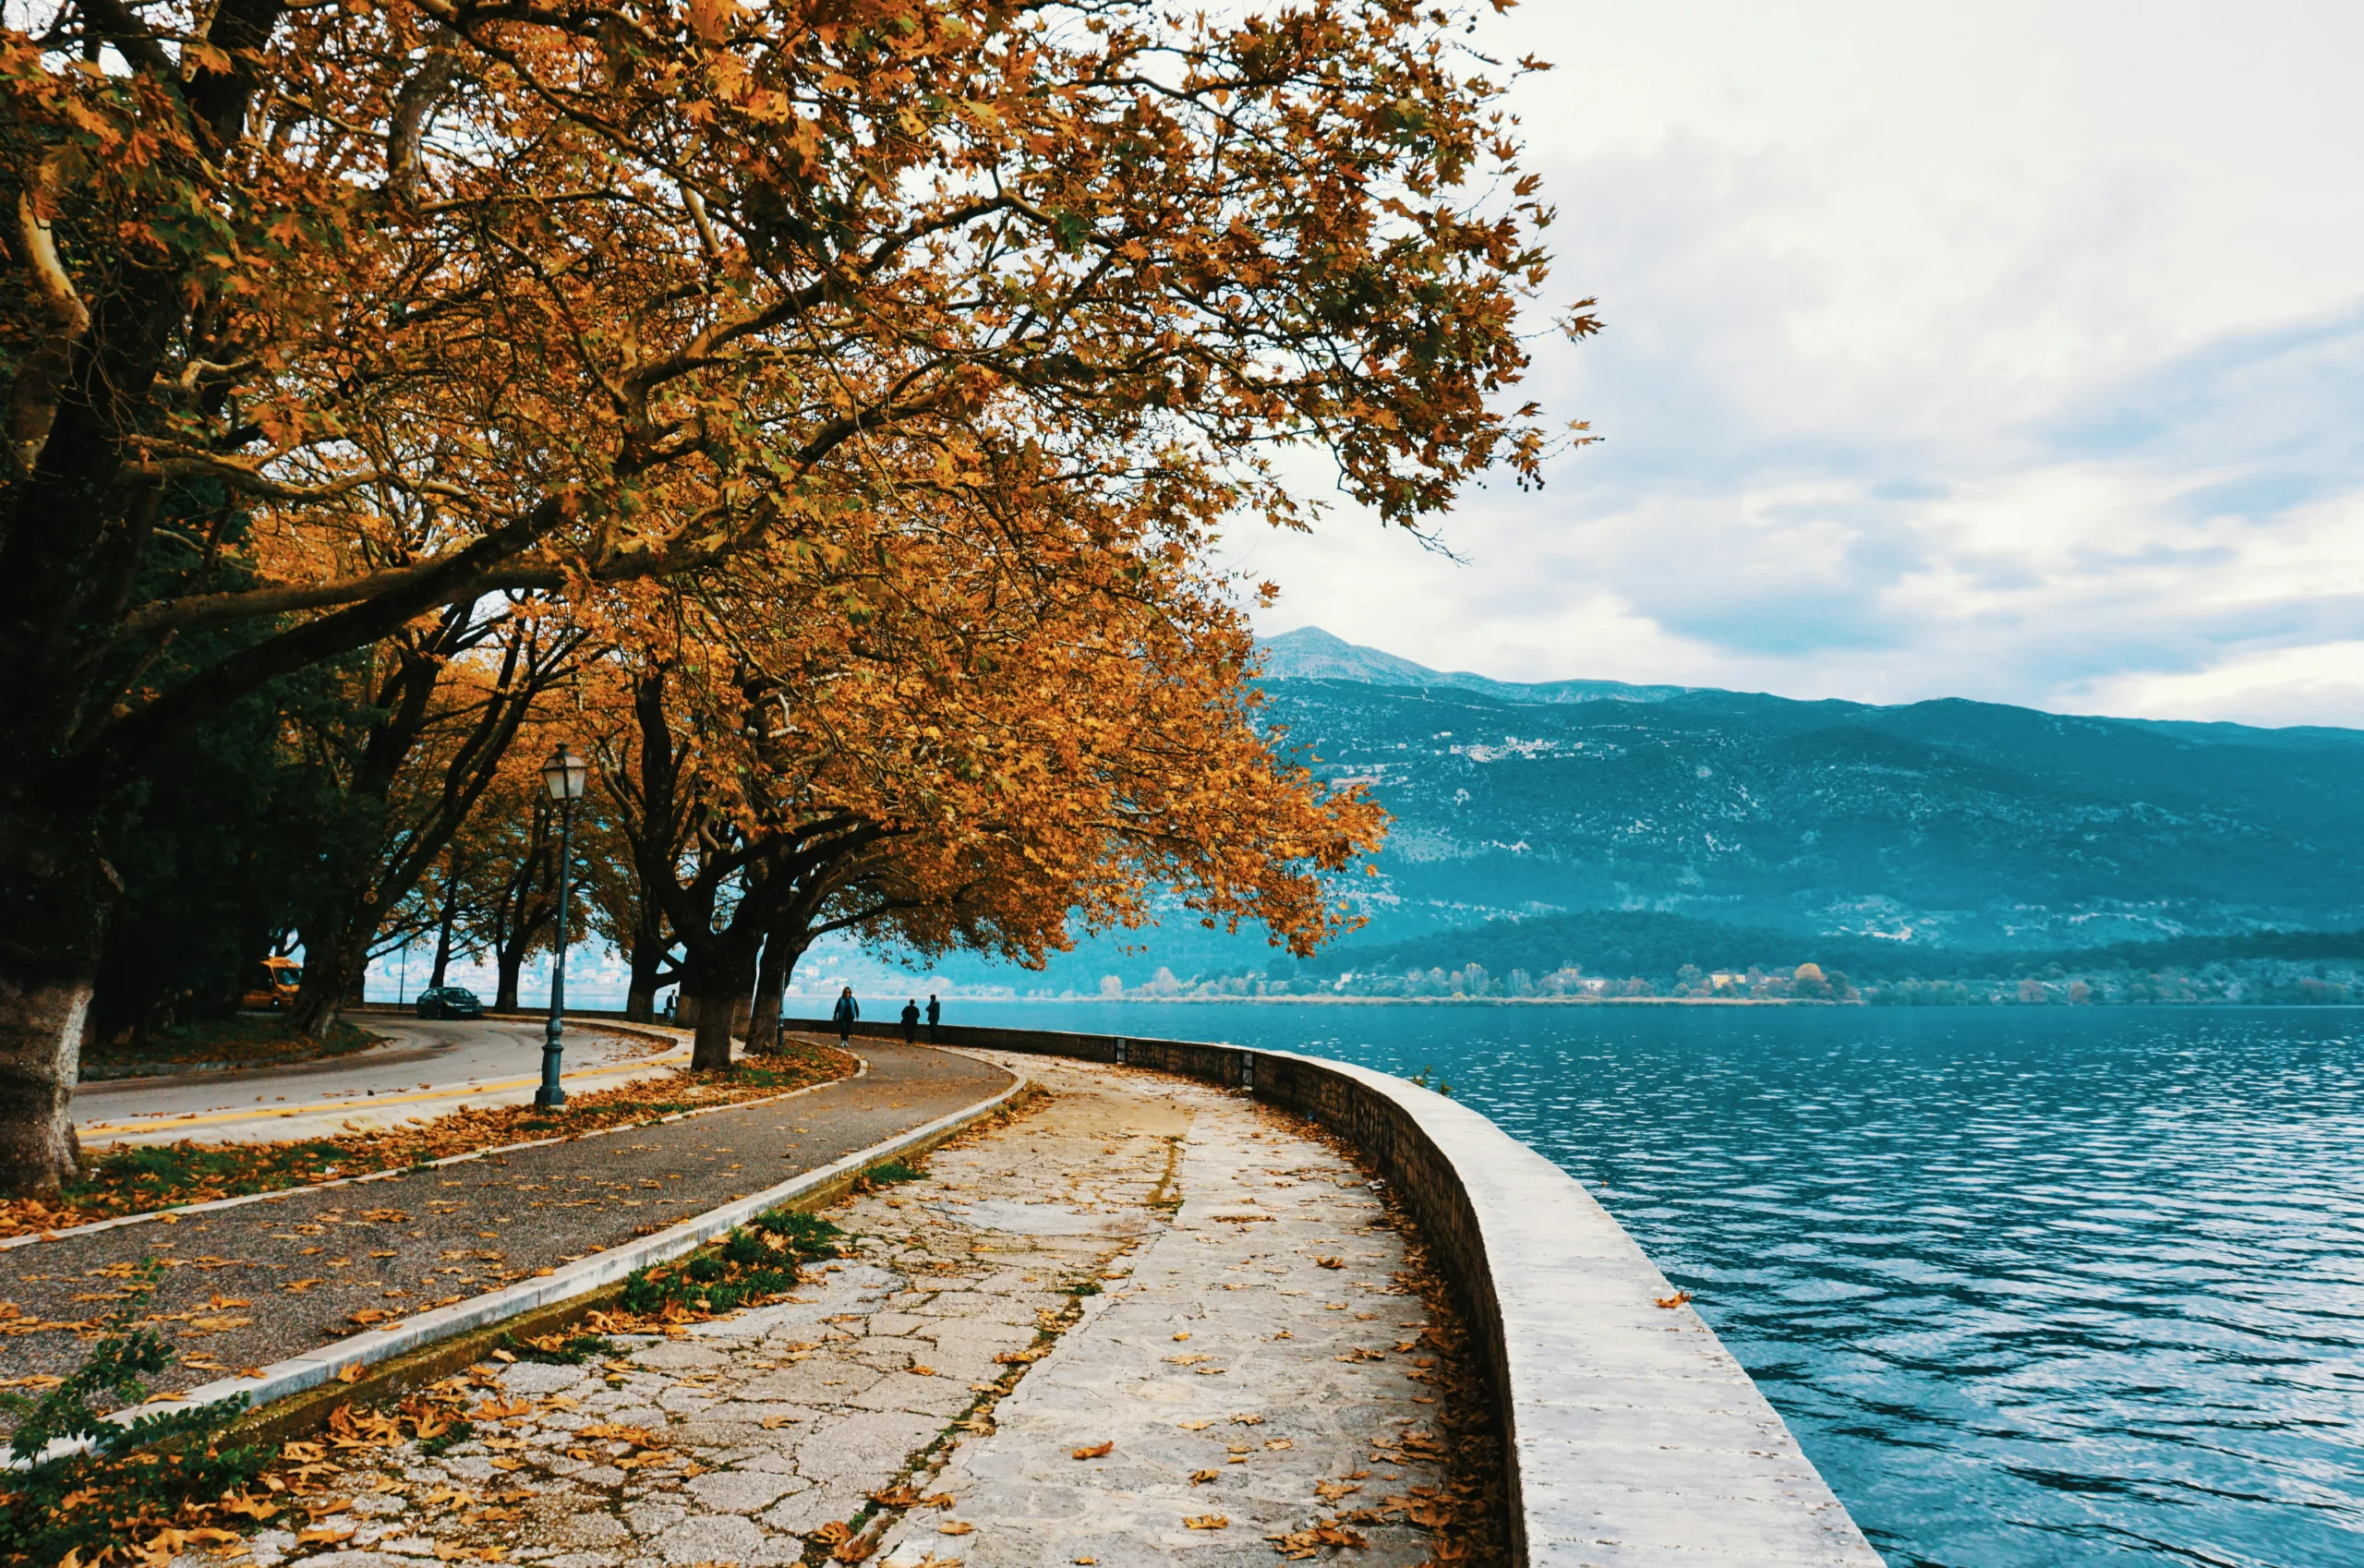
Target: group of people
848,1010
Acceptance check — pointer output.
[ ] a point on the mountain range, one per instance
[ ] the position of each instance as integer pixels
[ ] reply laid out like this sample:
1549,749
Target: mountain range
1961,826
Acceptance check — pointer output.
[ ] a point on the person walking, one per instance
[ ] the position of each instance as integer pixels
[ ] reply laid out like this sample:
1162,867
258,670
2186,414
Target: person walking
847,1011
935,1013
910,1022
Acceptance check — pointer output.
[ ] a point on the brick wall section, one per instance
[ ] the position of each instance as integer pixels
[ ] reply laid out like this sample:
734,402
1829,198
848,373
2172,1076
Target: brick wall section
1634,1437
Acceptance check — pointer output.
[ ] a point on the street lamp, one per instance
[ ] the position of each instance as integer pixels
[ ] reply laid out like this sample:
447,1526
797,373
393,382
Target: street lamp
566,776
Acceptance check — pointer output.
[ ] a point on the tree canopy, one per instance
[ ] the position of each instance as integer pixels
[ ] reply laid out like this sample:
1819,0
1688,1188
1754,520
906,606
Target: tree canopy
662,319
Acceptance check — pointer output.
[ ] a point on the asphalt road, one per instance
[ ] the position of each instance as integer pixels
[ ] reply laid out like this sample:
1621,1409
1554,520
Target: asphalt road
268,1279
424,1070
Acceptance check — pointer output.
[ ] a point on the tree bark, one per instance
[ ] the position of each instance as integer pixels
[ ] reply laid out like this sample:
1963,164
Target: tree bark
443,928
650,974
332,972
508,964
59,891
721,980
771,980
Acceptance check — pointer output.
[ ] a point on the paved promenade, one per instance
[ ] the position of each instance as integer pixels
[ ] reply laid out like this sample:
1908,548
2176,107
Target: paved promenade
287,1274
1143,1321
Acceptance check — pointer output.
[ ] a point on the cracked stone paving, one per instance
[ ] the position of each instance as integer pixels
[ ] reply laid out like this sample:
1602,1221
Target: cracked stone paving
1141,1320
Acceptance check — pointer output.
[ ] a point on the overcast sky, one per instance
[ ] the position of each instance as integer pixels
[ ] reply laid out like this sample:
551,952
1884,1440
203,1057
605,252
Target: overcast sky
2010,352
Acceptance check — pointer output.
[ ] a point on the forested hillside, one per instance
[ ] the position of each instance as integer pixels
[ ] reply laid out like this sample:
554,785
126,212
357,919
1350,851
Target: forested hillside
1927,838
1956,823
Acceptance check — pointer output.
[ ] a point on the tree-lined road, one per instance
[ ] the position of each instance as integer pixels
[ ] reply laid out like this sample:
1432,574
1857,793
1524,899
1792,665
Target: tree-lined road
424,1070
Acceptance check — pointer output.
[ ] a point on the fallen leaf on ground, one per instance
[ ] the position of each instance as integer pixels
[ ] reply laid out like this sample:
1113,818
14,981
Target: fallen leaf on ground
954,1527
1201,1477
1206,1520
1331,1262
1097,1451
1677,1300
353,1373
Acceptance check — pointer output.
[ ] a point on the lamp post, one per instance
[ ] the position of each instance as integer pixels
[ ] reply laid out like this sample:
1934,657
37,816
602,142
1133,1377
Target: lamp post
566,776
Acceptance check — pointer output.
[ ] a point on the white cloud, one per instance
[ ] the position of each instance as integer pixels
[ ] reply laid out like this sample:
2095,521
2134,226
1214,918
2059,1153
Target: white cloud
2011,354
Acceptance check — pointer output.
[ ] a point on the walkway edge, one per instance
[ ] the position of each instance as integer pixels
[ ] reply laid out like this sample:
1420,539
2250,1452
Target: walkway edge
299,1373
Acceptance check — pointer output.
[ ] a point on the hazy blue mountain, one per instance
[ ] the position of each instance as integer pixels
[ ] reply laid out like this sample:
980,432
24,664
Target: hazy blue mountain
1951,823
1961,823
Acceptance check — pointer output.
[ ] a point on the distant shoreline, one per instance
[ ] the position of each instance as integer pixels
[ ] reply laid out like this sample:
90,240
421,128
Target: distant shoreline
1443,1001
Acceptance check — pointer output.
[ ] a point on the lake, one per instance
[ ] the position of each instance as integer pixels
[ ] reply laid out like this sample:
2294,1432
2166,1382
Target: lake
2034,1286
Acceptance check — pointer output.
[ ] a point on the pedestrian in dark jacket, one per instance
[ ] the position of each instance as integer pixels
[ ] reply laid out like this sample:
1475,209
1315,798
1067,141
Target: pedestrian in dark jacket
910,1022
848,1010
935,1012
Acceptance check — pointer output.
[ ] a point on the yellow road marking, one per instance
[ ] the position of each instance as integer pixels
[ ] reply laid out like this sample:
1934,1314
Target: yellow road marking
275,1113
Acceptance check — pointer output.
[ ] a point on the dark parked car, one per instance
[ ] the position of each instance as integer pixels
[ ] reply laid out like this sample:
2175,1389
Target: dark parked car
449,1002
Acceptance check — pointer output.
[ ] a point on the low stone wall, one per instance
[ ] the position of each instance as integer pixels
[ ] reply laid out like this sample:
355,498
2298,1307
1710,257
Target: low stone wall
1634,1435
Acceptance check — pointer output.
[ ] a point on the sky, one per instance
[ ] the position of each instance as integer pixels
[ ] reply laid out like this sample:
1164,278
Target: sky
2012,351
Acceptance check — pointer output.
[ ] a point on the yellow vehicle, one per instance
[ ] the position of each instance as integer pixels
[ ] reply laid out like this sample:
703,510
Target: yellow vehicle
274,984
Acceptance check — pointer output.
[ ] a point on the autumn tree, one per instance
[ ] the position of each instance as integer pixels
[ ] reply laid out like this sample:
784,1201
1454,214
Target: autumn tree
997,704
439,706
618,907
457,297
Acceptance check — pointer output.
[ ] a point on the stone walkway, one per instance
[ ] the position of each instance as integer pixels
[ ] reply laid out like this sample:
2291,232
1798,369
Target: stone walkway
1141,1322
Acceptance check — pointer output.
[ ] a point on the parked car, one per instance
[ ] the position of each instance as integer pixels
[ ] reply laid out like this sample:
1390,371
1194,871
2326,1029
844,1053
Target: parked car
449,1002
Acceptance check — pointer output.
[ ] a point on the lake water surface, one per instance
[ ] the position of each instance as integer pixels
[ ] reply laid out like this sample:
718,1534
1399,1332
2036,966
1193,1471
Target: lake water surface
2034,1286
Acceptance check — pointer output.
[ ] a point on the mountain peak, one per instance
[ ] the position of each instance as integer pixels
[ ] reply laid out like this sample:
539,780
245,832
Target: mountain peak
1312,654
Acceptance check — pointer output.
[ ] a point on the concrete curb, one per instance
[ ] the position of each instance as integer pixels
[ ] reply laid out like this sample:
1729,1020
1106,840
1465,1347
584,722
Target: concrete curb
297,1374
155,1216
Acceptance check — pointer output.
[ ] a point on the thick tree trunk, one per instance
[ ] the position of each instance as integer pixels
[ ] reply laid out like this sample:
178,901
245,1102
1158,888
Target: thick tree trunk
334,958
647,959
722,980
40,1052
443,934
771,980
507,965
57,891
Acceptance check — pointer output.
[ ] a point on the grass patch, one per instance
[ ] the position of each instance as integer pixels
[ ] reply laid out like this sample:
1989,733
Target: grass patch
260,1039
886,1173
161,1171
559,1349
136,1481
755,1262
